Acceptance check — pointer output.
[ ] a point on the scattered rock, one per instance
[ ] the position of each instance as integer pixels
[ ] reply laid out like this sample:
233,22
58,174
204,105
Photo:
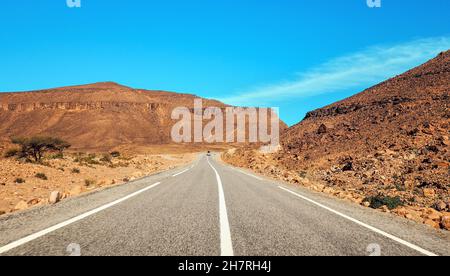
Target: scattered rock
322,129
440,206
432,149
22,205
432,223
433,214
428,192
33,201
445,222
55,197
2,212
347,167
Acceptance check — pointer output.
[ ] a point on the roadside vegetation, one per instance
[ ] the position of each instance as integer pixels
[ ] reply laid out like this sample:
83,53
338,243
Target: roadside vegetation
33,149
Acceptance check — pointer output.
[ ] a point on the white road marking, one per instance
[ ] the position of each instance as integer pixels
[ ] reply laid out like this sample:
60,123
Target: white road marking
226,245
376,230
180,173
248,174
44,232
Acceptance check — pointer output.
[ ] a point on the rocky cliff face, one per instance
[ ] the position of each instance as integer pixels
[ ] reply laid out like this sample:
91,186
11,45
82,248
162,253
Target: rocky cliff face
97,116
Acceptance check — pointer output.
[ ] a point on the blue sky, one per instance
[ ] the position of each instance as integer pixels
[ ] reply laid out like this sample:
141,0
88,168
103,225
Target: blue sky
297,55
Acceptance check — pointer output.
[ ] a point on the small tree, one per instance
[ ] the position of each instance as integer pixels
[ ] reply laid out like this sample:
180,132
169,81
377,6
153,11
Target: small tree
35,147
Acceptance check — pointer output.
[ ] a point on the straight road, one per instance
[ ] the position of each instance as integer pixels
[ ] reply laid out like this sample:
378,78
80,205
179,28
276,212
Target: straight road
212,209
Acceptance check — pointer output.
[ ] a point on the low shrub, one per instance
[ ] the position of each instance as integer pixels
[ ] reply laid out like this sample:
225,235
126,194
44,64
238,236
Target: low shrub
11,153
41,176
106,158
19,180
380,201
89,182
75,170
58,155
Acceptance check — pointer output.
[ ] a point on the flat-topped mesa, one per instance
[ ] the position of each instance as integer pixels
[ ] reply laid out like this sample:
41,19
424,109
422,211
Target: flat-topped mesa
99,116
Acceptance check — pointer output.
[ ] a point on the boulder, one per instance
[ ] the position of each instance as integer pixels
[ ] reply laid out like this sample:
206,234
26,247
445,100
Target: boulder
445,222
55,197
428,192
440,206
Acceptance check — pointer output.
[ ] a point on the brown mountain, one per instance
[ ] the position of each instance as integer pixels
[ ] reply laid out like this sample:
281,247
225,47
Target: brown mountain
95,116
389,140
406,116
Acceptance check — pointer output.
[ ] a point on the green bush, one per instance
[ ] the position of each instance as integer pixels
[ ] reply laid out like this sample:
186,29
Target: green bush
380,201
86,160
58,155
34,148
41,176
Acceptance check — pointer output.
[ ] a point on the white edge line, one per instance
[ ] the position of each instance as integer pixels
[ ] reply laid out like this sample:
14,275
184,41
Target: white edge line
180,173
248,174
226,244
44,232
376,230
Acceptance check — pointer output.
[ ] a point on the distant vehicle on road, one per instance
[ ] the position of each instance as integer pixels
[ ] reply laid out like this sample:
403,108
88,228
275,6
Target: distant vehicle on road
209,153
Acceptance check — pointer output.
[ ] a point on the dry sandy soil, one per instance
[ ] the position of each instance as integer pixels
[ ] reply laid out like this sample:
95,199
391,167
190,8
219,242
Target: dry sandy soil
75,174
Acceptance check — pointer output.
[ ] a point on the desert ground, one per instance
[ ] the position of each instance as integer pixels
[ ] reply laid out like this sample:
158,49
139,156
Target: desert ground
25,185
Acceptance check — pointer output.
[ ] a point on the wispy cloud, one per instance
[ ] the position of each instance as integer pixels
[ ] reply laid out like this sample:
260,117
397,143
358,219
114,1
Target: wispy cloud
356,70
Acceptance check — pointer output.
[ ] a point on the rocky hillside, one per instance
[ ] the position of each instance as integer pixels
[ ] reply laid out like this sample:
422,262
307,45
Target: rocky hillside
389,141
96,116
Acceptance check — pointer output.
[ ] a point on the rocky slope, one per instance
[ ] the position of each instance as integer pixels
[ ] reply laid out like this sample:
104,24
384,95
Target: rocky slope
389,141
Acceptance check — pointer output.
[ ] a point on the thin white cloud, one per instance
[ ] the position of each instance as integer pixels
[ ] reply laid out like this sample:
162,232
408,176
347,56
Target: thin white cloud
360,69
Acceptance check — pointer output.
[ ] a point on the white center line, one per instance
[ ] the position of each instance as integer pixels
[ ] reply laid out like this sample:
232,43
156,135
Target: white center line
44,232
180,173
226,245
376,230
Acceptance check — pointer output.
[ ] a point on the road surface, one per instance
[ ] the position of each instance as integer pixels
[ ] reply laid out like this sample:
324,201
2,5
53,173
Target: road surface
212,209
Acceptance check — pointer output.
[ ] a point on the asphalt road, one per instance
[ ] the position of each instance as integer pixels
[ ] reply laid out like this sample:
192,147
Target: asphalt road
209,208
